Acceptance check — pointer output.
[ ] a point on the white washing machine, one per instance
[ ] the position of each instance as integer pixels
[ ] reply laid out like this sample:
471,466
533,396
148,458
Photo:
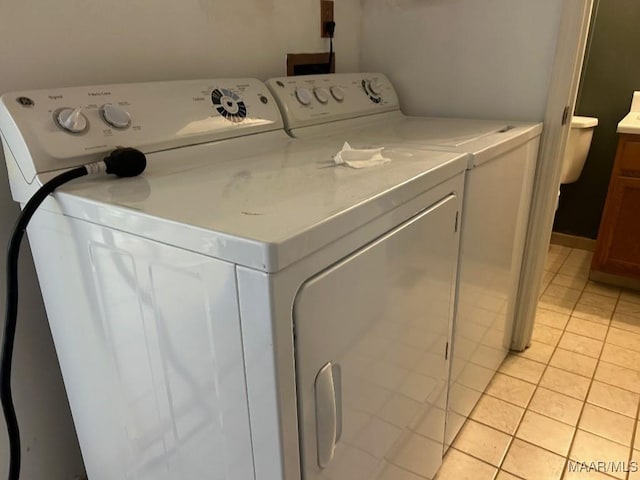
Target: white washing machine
498,186
245,303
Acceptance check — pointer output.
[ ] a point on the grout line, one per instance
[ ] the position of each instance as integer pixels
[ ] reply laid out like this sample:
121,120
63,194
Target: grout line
633,436
635,423
566,457
584,404
591,378
473,456
526,408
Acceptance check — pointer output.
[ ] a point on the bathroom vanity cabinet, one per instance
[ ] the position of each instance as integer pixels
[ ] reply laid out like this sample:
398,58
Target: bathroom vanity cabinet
618,245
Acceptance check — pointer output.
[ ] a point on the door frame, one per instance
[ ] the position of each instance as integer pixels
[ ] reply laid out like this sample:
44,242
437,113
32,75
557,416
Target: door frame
573,32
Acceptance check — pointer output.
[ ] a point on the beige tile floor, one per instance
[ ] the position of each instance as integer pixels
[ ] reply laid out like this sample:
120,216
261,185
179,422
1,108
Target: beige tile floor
573,396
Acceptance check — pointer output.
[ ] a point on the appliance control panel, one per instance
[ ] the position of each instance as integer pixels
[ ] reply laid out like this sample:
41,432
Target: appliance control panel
54,129
315,99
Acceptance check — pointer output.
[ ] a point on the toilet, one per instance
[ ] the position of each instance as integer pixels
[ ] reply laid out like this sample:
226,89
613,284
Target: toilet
577,148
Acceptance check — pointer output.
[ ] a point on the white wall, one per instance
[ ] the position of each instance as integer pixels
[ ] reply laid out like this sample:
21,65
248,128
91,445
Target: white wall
76,42
469,58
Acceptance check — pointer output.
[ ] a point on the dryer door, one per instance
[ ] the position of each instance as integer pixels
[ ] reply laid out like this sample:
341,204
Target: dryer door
371,337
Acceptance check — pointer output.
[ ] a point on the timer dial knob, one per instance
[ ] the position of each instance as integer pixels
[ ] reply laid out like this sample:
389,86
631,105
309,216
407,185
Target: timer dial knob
304,95
374,86
229,105
115,116
337,93
71,119
321,94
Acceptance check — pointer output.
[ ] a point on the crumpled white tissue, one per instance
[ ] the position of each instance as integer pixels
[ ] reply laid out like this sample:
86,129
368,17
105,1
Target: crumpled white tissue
360,158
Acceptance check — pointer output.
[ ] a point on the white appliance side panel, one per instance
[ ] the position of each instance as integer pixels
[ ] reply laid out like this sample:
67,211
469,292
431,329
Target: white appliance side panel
267,336
494,223
148,339
530,153
381,317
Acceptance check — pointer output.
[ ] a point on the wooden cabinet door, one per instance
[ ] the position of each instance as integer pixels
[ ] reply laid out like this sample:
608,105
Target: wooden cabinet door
618,248
628,156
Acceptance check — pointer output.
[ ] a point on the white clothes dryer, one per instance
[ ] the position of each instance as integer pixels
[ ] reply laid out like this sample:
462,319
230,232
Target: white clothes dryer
498,186
245,299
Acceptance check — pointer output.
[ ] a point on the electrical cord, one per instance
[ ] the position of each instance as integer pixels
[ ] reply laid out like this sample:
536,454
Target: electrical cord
330,27
123,162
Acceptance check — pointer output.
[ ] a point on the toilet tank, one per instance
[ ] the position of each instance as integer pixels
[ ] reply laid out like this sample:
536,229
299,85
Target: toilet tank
577,148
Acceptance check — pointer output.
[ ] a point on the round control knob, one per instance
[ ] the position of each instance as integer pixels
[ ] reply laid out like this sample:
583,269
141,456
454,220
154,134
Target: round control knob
115,116
71,119
337,93
375,86
321,94
303,95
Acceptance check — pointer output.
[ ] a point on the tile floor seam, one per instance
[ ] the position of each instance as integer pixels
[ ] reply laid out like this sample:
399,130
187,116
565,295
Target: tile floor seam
540,446
543,290
511,436
536,389
584,403
463,453
526,408
571,371
474,456
577,426
600,307
506,401
608,409
611,384
635,423
509,473
400,467
555,348
535,446
540,413
592,379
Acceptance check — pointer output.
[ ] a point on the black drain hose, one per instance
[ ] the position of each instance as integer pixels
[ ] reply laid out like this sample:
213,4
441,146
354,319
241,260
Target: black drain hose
123,162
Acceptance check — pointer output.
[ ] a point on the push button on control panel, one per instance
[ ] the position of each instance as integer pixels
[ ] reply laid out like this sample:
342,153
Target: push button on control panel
115,116
321,94
303,95
337,93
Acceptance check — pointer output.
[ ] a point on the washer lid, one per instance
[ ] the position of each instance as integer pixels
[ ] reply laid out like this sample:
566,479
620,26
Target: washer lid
264,201
482,139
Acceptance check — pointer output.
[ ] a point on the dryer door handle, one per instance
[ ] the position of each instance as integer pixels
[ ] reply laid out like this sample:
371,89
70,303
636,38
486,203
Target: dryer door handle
328,412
